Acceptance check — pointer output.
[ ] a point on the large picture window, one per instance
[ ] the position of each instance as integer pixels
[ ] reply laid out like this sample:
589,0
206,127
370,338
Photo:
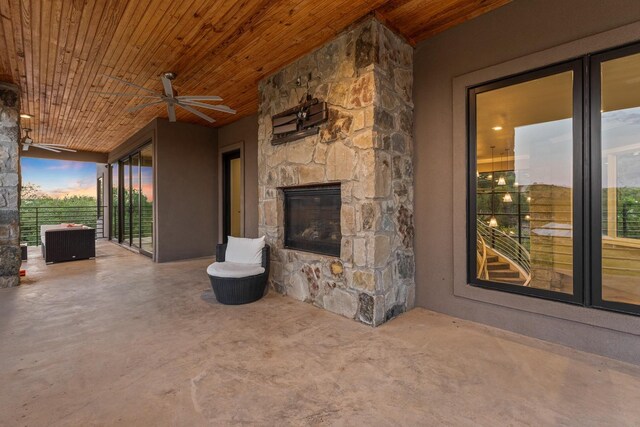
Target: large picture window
615,120
531,187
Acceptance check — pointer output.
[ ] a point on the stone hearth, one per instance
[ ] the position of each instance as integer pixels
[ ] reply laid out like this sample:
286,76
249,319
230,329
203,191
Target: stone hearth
365,75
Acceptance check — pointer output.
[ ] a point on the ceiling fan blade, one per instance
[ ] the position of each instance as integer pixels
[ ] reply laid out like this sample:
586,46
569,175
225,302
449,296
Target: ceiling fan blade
131,84
171,111
222,108
199,98
168,88
141,106
133,95
55,150
197,113
71,150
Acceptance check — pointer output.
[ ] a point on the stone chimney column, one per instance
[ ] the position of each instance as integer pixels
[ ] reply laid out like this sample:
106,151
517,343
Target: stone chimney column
10,258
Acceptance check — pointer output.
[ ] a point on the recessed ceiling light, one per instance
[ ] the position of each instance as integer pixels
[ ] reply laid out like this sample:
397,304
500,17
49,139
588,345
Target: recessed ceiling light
497,128
26,116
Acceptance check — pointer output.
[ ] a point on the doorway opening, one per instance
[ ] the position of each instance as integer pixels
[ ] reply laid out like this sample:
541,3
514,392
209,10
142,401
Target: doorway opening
232,194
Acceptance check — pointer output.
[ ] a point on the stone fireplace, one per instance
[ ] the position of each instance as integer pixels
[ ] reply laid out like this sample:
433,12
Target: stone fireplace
365,149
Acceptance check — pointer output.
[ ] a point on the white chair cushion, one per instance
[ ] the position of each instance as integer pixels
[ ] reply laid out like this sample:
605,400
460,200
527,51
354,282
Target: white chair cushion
234,269
244,251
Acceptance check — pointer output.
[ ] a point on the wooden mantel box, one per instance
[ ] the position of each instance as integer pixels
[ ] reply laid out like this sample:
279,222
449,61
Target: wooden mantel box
300,121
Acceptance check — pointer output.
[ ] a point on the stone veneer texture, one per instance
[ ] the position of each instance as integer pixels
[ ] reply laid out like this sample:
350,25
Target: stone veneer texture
10,259
365,74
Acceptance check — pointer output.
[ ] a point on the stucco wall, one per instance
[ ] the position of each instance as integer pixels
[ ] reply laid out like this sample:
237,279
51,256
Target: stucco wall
518,29
186,177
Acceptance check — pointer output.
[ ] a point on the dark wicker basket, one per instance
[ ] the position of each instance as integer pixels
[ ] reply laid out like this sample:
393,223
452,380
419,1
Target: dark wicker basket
235,291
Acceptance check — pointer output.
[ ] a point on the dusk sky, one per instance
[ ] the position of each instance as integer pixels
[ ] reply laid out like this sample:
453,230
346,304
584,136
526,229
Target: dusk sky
60,178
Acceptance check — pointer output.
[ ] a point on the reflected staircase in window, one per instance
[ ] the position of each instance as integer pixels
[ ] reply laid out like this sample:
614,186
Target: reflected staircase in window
501,258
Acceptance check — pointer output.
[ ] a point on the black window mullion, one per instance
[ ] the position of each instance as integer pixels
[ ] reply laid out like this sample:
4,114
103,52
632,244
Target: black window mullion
579,186
595,209
472,192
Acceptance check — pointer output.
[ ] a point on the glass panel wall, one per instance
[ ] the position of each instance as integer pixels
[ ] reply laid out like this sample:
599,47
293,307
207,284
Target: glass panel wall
115,205
146,199
524,182
126,201
132,200
620,163
135,200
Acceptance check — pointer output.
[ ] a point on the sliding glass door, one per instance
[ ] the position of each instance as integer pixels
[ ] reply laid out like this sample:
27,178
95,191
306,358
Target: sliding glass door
114,211
146,199
132,195
125,167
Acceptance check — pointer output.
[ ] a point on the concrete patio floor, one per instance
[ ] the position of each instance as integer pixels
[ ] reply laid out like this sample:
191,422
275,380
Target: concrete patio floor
122,341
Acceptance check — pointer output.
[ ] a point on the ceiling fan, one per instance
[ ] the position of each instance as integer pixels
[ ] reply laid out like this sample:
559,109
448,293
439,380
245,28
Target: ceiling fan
171,98
27,142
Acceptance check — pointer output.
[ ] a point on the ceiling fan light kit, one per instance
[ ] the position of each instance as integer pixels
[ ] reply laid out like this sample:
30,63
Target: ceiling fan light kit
171,99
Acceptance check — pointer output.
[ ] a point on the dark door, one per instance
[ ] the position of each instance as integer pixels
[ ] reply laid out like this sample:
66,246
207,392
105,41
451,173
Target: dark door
232,196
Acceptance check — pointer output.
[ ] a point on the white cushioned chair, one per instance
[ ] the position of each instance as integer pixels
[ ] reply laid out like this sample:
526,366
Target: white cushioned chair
241,271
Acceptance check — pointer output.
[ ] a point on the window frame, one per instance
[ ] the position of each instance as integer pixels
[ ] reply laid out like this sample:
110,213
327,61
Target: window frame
595,208
100,196
577,66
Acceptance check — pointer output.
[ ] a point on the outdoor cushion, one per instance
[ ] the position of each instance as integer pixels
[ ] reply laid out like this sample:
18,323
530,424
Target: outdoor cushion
244,251
234,269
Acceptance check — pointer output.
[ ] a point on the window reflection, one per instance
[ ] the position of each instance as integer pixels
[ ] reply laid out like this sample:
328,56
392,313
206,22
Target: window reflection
146,198
621,180
524,140
115,214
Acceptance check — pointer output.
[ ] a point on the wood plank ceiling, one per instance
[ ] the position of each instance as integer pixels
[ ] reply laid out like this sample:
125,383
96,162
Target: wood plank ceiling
59,51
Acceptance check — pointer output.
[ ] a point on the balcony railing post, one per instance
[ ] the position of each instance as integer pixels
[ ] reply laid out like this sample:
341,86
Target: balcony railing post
37,229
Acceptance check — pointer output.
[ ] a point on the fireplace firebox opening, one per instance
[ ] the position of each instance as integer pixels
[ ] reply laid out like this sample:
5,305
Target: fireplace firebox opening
312,219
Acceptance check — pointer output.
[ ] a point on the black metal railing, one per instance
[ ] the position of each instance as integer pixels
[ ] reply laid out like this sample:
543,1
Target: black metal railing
32,217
